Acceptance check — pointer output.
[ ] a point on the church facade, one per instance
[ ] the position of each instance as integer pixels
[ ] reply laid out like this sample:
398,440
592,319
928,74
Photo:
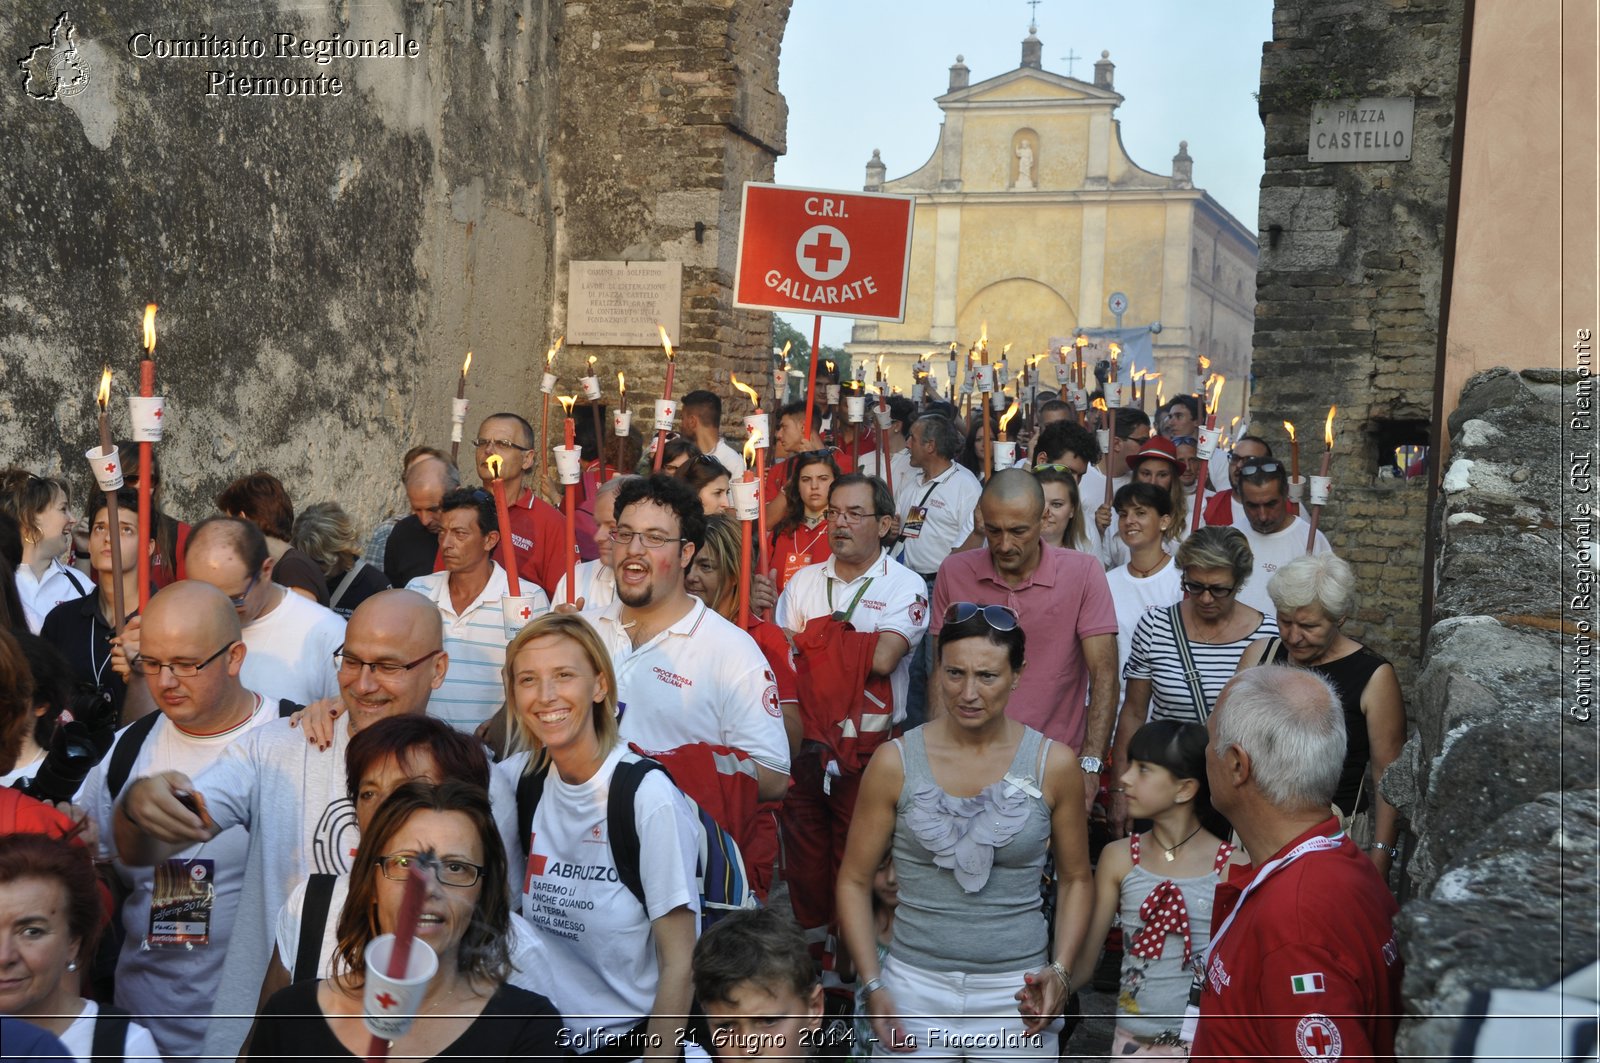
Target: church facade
1030,216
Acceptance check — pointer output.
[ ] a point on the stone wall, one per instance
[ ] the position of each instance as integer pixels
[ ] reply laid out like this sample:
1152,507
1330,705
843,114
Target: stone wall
666,109
323,263
1498,779
1349,282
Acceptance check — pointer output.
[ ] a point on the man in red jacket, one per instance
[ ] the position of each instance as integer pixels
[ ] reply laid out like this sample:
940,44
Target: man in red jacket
1303,962
538,531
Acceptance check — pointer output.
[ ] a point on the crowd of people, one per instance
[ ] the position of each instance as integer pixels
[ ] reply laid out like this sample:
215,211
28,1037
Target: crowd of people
987,737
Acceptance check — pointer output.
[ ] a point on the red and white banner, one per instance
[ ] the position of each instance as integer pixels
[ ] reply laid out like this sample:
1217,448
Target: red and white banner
819,251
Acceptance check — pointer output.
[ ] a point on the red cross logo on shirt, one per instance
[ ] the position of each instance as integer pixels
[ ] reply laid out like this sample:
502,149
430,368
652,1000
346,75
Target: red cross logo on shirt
385,1001
1318,1038
536,864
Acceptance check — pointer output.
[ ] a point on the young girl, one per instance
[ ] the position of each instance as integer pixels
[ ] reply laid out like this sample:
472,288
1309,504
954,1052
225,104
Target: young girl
1063,516
1161,882
885,899
801,537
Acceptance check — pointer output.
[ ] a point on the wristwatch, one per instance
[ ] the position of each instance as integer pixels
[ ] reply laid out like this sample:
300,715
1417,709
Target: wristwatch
1392,850
1091,765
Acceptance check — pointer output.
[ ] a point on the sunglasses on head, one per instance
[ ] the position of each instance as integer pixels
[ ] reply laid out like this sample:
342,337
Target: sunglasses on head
1254,467
998,617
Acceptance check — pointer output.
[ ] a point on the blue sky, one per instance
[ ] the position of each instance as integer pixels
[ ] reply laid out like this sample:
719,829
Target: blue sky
863,74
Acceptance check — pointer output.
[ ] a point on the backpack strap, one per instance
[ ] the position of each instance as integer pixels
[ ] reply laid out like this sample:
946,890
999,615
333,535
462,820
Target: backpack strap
127,752
1269,653
75,579
623,826
530,788
344,584
110,1033
313,921
1191,673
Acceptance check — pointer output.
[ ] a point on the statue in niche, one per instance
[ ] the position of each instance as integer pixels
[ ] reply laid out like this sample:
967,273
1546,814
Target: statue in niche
1024,181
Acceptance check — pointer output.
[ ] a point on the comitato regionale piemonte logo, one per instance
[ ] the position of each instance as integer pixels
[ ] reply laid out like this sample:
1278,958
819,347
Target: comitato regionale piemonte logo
54,69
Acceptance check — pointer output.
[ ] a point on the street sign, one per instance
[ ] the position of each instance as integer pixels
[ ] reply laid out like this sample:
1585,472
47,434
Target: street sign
819,251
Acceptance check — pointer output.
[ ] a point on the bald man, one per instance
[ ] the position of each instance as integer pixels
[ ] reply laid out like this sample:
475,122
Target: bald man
1303,959
190,660
412,544
290,794
1063,603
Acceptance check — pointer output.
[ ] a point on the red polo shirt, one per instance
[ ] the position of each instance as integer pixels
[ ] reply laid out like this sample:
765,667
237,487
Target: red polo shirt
1065,601
1310,968
539,537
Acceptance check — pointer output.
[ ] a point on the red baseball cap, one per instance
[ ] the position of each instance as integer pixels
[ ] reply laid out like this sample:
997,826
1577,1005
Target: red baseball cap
1157,447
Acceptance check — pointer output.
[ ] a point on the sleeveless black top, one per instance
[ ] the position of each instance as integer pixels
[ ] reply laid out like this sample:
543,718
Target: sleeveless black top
1349,676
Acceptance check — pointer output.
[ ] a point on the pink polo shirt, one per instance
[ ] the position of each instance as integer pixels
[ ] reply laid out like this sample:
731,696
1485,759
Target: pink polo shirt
1066,600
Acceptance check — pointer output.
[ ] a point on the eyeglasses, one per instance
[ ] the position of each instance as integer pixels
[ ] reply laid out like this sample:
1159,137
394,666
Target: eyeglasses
499,444
352,666
847,518
238,600
181,669
397,867
1197,589
1254,467
653,540
998,617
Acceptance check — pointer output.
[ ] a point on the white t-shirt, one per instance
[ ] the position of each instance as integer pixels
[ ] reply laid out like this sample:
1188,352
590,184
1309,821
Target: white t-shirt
474,685
174,987
899,465
290,651
1272,552
23,772
137,1044
949,500
893,598
700,680
291,797
602,956
729,458
40,595
1134,597
596,584
530,961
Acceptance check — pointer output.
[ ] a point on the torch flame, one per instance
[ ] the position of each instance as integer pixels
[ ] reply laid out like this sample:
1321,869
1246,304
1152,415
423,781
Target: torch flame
1081,341
103,394
591,365
622,383
1138,375
493,463
150,327
1205,363
828,364
880,367
750,450
567,402
1011,411
1216,398
1151,376
466,365
1327,433
983,335
749,392
784,357
1005,350
1099,404
665,342
550,355
1115,348
1288,426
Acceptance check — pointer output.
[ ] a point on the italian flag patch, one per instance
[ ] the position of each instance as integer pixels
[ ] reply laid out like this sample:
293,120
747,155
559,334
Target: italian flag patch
1307,983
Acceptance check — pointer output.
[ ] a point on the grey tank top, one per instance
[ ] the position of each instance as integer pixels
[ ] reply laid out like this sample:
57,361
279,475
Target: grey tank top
970,867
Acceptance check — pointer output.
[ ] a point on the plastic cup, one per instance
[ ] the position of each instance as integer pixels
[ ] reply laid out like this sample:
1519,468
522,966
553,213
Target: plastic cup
883,414
1005,454
666,413
1206,445
1113,394
518,610
1297,489
547,384
569,464
389,1005
756,429
1321,488
107,467
591,388
147,416
746,497
983,377
1063,374
855,408
1079,398
621,422
458,410
1103,435
833,394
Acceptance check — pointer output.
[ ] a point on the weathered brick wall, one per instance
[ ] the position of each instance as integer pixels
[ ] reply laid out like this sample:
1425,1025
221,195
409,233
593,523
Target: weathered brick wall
1349,281
665,110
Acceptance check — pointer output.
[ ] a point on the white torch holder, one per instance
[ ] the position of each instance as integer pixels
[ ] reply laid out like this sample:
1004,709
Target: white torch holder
1113,394
884,415
1321,488
569,464
1297,489
591,388
983,377
518,611
389,1005
833,394
1005,454
1079,397
855,408
1103,436
621,422
756,427
107,468
1206,445
666,413
746,498
147,416
547,384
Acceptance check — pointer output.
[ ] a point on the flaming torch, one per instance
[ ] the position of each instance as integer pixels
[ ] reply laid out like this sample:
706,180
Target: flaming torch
621,418
755,425
883,428
665,410
570,469
1206,446
1294,457
1005,453
458,411
746,494
508,552
547,386
142,432
108,472
1321,485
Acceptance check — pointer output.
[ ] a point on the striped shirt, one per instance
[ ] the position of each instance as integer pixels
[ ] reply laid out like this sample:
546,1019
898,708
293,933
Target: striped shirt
476,641
1155,657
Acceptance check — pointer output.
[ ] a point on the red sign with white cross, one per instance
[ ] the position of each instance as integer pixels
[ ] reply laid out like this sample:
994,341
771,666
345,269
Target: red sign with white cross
816,251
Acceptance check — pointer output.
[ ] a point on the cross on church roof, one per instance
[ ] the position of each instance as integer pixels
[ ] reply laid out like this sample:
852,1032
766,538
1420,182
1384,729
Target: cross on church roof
1070,58
1033,16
